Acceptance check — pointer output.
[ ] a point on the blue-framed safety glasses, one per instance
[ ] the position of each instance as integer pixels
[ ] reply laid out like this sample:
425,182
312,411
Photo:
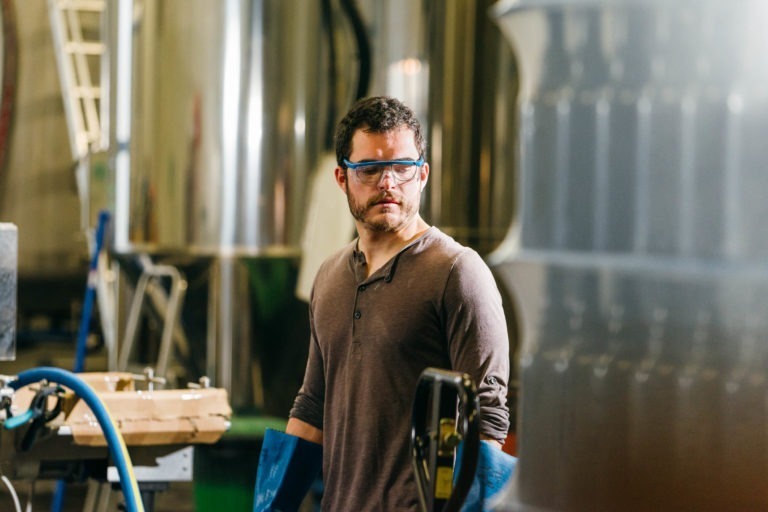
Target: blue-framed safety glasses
371,171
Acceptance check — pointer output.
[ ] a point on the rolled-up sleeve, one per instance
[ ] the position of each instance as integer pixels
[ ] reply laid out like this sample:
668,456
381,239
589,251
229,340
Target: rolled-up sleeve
478,341
309,403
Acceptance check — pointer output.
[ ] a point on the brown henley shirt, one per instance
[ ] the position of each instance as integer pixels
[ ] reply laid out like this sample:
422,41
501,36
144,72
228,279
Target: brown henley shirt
433,304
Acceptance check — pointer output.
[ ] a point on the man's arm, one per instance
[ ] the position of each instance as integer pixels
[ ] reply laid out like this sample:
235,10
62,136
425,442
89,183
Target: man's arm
309,401
478,340
304,430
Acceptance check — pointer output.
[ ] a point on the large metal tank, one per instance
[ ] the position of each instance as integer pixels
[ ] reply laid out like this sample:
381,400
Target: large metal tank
224,124
216,118
467,110
638,259
447,62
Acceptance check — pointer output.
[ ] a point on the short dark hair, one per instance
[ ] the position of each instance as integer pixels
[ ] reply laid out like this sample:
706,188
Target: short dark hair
376,114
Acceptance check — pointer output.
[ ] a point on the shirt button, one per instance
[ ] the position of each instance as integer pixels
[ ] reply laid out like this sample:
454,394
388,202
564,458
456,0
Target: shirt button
357,314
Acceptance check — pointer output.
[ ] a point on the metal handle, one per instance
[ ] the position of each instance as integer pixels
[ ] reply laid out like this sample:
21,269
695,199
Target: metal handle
432,447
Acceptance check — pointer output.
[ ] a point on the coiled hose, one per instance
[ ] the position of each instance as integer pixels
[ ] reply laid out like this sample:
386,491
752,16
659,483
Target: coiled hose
117,448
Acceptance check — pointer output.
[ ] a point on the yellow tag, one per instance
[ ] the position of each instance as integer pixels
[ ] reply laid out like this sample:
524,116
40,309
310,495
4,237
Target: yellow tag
443,482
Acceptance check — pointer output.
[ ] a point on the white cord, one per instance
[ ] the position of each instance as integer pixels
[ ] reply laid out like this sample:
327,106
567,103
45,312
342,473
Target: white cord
15,496
31,496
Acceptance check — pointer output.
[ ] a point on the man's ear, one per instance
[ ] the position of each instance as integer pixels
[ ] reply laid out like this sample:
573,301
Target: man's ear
341,178
424,177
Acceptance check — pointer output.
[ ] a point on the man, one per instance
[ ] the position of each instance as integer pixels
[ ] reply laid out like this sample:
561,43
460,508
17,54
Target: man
402,297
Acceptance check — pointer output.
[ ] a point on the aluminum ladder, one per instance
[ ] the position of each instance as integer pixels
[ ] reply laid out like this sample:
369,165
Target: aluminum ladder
76,26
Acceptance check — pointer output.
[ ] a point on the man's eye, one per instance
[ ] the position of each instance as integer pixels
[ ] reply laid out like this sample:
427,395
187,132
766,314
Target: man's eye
369,171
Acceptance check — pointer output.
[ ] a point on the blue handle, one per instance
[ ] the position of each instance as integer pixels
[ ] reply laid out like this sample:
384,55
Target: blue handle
19,420
90,293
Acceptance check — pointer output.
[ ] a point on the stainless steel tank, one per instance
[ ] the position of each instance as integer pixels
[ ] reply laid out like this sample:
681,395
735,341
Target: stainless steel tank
216,118
221,115
467,110
638,258
445,59
187,193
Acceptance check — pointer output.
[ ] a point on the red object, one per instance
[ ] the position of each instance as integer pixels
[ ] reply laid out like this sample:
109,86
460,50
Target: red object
510,444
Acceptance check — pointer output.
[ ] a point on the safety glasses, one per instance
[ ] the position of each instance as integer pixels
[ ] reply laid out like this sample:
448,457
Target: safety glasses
371,172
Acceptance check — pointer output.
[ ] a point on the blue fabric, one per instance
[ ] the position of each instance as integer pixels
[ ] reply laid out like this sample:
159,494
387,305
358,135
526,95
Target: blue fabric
287,467
494,470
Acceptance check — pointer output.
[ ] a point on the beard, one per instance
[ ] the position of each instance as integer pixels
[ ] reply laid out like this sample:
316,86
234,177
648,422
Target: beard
383,223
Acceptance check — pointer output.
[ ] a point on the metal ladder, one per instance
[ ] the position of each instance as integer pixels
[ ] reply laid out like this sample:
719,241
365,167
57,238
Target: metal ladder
78,59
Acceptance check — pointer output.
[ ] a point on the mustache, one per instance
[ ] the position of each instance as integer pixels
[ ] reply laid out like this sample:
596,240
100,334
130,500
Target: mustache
383,197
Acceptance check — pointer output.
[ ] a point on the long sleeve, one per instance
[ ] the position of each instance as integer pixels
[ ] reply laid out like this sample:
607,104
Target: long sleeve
478,341
309,403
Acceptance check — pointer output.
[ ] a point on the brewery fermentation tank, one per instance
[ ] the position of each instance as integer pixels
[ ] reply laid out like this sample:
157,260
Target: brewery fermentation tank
215,122
638,259
212,101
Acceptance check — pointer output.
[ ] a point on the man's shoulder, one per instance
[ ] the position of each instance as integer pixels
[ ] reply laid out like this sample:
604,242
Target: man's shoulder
440,246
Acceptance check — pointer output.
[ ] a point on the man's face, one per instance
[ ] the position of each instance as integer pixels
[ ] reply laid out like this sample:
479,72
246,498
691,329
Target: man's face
386,206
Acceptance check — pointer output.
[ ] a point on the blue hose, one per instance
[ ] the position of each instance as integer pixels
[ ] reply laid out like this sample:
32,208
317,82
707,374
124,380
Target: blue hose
117,448
57,503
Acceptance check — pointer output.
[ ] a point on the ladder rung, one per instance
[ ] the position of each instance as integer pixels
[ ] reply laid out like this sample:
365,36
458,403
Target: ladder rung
76,59
82,5
84,47
87,92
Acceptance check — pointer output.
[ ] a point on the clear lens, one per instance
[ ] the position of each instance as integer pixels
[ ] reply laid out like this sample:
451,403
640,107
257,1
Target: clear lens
370,174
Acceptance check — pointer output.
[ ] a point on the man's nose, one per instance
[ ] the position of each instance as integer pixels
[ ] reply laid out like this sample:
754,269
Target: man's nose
387,179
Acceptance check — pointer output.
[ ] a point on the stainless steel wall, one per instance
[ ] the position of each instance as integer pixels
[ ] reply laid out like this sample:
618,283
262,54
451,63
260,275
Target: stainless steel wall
638,258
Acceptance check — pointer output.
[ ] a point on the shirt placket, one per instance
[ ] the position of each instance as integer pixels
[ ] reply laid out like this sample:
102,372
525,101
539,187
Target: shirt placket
361,309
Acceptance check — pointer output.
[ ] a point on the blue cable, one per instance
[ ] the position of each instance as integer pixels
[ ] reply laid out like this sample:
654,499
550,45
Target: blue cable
115,442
